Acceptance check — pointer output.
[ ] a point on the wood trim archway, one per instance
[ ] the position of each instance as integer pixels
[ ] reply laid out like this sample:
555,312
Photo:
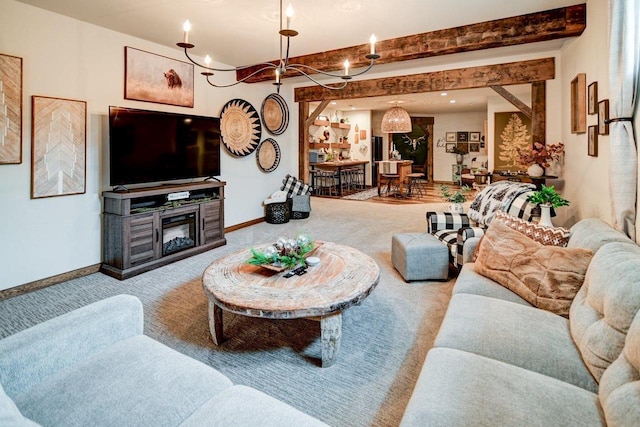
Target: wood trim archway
536,72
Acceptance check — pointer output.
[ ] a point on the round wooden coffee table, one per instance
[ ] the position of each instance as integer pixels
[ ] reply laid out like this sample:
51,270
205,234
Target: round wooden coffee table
344,277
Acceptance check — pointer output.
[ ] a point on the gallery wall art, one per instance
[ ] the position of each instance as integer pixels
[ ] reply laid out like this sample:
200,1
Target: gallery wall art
58,147
155,78
10,109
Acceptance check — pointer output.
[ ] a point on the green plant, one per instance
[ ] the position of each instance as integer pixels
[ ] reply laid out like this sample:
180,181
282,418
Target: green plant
548,196
284,253
458,196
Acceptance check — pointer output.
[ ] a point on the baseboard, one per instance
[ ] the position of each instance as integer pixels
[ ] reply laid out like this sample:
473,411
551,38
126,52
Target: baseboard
49,281
244,225
85,271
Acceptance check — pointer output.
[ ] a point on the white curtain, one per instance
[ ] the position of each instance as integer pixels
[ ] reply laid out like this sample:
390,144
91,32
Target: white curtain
624,67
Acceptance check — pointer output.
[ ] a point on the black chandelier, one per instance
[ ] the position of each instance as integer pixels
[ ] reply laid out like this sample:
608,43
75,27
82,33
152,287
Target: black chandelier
283,65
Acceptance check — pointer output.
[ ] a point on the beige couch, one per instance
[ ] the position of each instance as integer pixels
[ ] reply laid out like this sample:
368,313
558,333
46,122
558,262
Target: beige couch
498,361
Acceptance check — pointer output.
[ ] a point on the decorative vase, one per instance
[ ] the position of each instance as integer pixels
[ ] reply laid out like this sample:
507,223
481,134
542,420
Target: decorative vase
545,216
535,170
459,158
456,208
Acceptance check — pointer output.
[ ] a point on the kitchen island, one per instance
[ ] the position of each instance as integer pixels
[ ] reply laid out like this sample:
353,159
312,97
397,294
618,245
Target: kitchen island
340,167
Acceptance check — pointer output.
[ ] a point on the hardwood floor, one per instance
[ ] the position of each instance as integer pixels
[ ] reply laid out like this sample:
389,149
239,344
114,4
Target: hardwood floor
430,194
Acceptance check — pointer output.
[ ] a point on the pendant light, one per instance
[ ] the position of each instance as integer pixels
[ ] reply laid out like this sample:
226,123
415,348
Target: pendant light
396,120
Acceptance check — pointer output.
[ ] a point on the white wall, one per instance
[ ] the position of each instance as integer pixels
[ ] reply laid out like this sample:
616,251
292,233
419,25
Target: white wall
66,58
443,123
587,178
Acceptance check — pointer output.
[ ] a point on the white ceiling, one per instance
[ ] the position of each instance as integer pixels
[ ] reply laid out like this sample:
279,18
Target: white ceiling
241,32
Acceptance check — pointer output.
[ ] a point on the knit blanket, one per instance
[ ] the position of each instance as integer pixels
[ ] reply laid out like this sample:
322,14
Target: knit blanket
508,196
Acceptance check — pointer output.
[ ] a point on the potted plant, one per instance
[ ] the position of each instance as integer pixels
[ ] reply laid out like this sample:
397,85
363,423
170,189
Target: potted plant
460,153
455,198
539,157
547,198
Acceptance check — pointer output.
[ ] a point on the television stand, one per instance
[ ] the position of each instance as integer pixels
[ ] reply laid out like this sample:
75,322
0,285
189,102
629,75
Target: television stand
143,229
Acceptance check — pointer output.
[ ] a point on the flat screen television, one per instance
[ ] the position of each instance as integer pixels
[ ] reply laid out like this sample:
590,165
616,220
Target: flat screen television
151,146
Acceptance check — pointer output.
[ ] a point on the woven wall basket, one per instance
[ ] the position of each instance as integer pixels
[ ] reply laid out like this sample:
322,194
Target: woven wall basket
268,155
275,114
240,127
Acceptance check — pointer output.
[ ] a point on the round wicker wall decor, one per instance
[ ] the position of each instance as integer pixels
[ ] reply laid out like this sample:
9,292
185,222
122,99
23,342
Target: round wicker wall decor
268,155
275,114
240,127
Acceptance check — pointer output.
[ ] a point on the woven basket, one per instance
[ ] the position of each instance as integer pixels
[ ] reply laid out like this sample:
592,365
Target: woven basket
299,215
277,213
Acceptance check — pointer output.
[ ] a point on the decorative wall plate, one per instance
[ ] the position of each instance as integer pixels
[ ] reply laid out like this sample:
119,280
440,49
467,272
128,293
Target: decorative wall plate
275,114
240,127
268,155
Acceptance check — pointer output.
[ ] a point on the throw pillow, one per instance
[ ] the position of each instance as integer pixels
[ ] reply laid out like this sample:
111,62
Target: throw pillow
554,236
547,277
293,185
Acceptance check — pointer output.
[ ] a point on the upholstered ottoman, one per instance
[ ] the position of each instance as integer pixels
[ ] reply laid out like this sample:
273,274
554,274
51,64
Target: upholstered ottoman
419,256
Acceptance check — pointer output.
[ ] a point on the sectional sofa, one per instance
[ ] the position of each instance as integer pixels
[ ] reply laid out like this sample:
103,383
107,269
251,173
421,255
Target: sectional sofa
499,361
93,366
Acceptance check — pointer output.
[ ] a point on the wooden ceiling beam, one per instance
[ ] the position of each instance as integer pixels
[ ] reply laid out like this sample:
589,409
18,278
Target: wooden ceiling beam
530,28
514,100
512,73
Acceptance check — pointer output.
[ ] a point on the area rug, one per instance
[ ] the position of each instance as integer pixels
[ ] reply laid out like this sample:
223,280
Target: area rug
384,342
363,195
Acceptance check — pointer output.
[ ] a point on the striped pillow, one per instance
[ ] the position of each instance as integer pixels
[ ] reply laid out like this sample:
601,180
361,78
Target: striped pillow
549,236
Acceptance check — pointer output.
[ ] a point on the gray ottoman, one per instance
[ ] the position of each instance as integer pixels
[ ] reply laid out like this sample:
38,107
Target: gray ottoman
419,256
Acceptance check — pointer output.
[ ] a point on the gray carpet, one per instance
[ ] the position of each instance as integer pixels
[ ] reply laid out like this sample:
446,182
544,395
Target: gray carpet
384,341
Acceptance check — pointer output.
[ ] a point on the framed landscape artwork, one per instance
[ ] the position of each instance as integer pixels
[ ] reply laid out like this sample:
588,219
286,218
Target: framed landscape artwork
155,78
10,109
58,147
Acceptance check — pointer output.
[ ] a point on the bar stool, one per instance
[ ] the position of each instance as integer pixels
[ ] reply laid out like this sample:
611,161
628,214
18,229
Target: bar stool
313,180
390,183
327,182
415,184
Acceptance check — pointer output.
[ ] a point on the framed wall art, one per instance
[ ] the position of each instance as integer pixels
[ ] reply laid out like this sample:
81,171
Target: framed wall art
155,78
592,98
10,109
462,136
450,137
58,146
474,147
603,116
450,147
512,136
579,104
474,136
592,148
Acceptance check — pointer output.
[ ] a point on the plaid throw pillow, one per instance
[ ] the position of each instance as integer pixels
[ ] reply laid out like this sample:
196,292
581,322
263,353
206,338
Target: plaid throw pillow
293,185
548,236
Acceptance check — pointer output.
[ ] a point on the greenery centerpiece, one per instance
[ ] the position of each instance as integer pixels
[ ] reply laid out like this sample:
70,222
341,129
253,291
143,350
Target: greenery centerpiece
284,254
547,198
